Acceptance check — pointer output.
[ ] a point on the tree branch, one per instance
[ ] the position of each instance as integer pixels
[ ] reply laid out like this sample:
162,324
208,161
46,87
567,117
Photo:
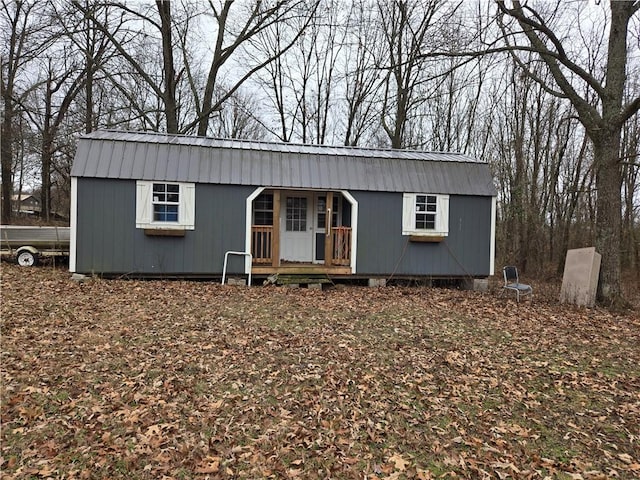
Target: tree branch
588,113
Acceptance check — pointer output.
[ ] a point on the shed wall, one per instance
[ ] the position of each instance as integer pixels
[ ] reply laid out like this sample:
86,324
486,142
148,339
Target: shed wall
109,243
383,250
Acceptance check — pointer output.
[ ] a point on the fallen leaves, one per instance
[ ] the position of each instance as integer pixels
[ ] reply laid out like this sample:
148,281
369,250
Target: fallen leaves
174,379
398,462
209,465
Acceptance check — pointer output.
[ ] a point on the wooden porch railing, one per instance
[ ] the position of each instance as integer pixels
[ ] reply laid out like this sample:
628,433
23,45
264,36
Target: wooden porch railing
261,243
341,237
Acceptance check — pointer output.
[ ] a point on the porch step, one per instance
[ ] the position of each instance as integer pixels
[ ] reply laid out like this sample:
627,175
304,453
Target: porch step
280,279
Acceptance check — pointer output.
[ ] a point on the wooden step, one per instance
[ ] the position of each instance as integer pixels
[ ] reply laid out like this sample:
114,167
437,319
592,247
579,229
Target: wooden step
280,279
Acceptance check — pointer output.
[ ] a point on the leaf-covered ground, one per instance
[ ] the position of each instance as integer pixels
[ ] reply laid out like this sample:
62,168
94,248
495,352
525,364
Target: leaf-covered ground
176,379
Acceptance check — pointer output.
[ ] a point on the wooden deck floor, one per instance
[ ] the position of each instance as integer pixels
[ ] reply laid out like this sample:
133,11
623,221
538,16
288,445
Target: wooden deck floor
301,269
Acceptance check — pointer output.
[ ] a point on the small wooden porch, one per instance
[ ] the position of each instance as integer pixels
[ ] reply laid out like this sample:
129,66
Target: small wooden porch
266,245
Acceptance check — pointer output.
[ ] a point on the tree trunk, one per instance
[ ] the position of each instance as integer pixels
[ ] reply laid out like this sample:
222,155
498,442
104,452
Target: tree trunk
45,201
608,216
169,94
606,140
212,78
6,149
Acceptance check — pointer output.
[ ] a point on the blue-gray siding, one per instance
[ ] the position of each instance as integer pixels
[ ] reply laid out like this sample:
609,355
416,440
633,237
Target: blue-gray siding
383,250
108,241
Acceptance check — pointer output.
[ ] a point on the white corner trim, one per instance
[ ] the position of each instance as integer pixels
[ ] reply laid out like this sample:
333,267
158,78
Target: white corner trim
492,241
74,224
354,228
247,241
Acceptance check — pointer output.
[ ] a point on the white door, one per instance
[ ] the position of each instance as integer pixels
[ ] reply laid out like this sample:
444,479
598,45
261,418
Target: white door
296,227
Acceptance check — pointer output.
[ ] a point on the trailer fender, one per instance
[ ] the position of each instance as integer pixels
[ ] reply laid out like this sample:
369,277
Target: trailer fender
27,256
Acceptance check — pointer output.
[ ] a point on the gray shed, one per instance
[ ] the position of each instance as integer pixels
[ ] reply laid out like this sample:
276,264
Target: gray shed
156,204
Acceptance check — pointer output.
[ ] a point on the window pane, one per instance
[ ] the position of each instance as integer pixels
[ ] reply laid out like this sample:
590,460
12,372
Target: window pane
165,213
335,212
264,201
425,221
172,213
263,218
321,207
296,218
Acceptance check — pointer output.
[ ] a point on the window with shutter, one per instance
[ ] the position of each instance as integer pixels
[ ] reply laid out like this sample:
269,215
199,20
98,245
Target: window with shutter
165,205
425,214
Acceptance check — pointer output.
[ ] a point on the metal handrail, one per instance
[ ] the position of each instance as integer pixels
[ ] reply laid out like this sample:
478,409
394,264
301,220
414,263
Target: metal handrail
232,252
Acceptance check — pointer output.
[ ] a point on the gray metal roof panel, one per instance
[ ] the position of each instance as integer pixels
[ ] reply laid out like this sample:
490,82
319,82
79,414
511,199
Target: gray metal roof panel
151,156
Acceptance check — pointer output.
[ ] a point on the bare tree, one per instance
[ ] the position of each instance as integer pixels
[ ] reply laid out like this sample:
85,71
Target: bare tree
163,86
22,42
631,195
411,29
240,118
300,84
603,119
361,75
233,33
61,84
89,42
274,79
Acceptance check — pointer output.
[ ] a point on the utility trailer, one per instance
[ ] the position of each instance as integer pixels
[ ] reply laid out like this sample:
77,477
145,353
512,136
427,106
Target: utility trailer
28,243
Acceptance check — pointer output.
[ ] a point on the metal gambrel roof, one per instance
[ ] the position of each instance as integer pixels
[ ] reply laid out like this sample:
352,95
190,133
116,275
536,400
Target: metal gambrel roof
178,158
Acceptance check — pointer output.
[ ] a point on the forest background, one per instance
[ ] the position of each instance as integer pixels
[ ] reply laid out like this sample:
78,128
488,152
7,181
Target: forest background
546,92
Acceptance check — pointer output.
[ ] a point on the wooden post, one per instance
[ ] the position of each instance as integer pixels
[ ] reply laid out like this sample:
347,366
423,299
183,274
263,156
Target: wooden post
275,246
328,239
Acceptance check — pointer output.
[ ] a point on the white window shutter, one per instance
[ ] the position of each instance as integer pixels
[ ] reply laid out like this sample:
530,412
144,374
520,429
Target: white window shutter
143,203
188,205
442,214
408,213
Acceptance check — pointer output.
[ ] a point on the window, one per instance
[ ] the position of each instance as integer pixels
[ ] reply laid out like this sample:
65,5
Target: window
263,209
296,214
425,214
166,201
321,207
165,205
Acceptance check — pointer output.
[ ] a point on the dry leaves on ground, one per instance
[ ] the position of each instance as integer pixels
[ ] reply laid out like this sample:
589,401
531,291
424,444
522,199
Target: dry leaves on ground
177,379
